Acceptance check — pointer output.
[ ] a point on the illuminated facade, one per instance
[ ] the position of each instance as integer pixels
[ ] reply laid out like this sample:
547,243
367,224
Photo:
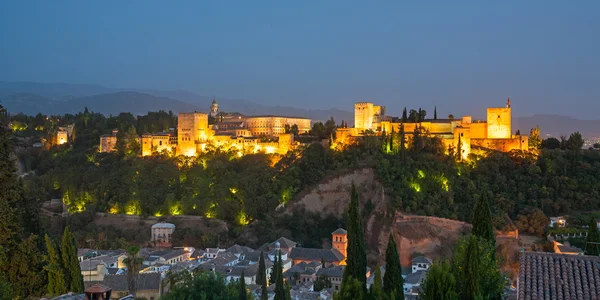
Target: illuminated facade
275,125
495,133
64,134
161,234
192,131
108,141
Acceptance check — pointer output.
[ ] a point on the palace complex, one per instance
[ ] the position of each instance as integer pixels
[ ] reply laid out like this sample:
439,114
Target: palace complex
275,134
246,134
495,133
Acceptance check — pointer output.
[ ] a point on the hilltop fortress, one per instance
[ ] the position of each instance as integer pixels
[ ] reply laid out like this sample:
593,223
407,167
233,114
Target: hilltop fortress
275,134
495,133
245,134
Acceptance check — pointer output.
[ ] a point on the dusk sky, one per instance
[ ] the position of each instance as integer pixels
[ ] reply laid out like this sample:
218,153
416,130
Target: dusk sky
459,55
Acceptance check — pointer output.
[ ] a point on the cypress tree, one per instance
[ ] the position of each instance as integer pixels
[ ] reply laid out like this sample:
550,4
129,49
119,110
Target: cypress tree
435,112
404,115
73,278
440,283
384,142
279,286
392,280
482,220
402,139
243,291
592,246
356,262
419,115
56,279
274,269
459,149
261,277
376,288
391,142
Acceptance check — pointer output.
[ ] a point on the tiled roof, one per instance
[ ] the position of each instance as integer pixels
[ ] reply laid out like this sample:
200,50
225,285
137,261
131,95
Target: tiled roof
237,249
145,281
329,255
336,271
224,258
197,254
415,278
421,260
173,254
90,264
558,276
283,243
340,231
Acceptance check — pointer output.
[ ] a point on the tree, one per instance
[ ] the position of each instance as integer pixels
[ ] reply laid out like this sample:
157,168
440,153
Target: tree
133,263
261,276
575,141
356,261
592,246
279,286
597,146
56,278
70,263
294,130
440,283
459,149
274,270
482,220
535,142
243,292
351,288
322,282
392,280
204,285
25,271
413,116
435,112
451,116
377,286
404,116
422,114
475,270
550,143
402,140
532,221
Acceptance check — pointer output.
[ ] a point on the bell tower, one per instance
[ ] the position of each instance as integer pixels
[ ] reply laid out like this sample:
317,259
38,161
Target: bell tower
214,108
339,241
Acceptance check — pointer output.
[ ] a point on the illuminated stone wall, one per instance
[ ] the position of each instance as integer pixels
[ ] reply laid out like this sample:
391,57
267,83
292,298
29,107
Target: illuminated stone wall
275,125
499,123
479,130
504,145
192,129
146,145
62,137
464,135
108,143
363,115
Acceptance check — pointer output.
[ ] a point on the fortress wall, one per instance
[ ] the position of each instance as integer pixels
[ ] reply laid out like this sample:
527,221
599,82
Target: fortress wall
504,145
499,123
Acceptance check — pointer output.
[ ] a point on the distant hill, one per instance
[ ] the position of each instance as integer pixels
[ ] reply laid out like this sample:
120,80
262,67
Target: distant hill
113,103
555,125
59,93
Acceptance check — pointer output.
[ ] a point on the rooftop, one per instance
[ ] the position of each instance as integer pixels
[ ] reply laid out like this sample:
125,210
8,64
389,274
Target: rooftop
415,278
558,276
163,225
329,255
335,271
421,260
340,231
145,281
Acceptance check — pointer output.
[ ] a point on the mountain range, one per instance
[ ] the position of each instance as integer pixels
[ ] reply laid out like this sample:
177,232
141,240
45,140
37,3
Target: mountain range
59,98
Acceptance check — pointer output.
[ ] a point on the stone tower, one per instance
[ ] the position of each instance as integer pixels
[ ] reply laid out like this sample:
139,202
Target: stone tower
192,130
339,241
499,122
214,108
363,115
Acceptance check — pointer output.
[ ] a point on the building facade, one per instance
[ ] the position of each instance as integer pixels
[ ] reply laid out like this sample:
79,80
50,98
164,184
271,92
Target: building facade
162,233
108,141
275,125
495,133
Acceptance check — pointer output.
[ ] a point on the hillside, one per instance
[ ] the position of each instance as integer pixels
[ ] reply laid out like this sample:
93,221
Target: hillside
555,125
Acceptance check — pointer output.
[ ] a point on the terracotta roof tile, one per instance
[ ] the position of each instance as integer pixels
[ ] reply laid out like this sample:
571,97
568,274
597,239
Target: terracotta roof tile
558,276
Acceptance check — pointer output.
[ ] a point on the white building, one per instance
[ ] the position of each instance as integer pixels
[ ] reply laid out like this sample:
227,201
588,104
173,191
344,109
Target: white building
161,234
558,222
421,263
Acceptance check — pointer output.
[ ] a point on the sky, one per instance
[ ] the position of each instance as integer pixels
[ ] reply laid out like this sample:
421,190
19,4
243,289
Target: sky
460,56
